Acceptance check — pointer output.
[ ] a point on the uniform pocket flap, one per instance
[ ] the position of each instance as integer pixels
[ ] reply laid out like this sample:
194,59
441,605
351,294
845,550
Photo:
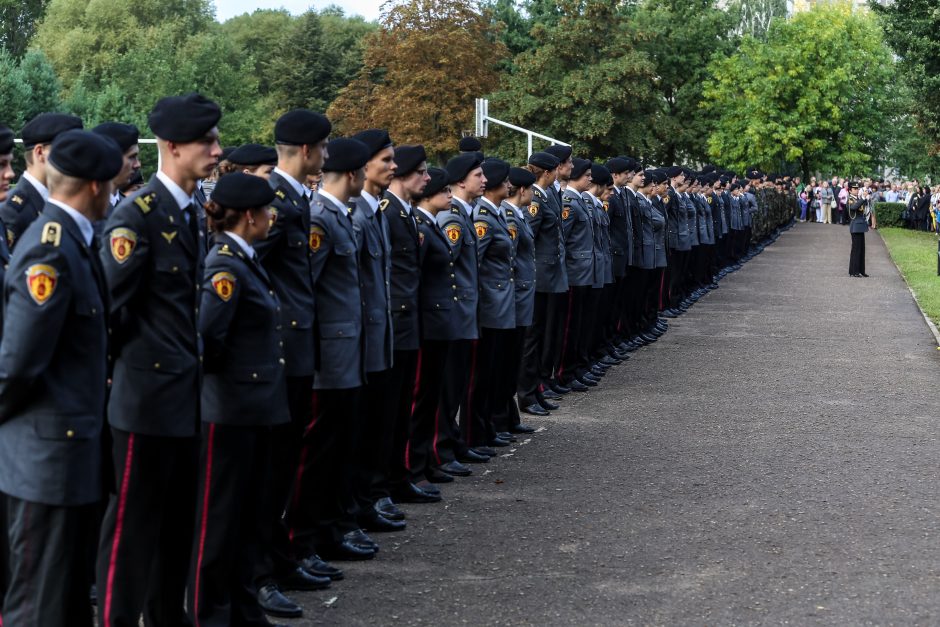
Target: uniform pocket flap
59,427
256,374
343,329
296,318
581,254
158,363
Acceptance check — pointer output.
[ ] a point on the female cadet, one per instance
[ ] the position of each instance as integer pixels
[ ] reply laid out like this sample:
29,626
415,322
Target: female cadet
857,207
244,394
251,159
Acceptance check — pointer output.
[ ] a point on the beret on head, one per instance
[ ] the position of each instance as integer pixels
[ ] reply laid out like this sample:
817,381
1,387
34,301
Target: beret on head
562,153
408,159
227,152
579,167
86,155
375,139
346,155
43,128
242,191
6,140
655,177
520,177
618,165
125,135
253,154
496,171
460,166
469,144
674,171
600,175
183,118
438,182
544,160
708,169
300,127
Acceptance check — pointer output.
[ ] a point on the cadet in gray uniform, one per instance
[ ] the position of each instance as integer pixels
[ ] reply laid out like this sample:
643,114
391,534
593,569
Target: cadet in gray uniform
6,175
54,365
152,252
621,253
30,194
244,394
599,195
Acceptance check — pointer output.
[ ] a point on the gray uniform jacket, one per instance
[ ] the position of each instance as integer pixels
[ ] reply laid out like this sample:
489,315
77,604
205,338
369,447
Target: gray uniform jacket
721,204
375,272
245,381
750,208
405,273
525,268
578,225
458,227
704,220
646,243
497,308
603,272
692,218
858,214
153,261
677,222
544,217
737,213
53,367
23,205
286,256
621,234
338,325
659,232
438,298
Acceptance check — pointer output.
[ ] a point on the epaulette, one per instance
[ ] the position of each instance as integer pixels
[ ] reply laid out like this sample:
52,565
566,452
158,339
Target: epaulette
483,210
51,234
16,200
280,194
143,202
539,194
454,209
383,204
225,250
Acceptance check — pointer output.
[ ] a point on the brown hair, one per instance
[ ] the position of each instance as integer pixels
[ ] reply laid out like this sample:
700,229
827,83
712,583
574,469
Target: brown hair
222,218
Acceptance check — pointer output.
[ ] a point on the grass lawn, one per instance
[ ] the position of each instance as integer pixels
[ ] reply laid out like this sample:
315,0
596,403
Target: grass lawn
915,252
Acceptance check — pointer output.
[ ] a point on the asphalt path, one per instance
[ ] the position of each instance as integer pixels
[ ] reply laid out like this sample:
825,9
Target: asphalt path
773,459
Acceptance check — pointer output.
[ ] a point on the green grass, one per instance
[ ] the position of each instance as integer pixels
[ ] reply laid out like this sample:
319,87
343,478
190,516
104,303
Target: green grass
915,252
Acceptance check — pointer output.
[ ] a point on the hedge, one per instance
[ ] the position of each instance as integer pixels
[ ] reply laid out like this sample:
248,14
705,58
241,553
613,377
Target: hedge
889,213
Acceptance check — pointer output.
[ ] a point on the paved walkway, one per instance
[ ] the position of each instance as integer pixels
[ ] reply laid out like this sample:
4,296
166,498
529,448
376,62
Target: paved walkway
774,458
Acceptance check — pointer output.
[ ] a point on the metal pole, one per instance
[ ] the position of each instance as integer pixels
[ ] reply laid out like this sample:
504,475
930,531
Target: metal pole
530,145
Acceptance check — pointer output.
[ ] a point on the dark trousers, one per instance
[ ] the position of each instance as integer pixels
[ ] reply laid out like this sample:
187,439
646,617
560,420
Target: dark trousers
231,525
506,412
147,532
556,318
426,417
370,445
857,258
455,396
320,509
391,470
602,329
488,377
677,265
530,372
4,552
49,570
277,560
572,366
618,320
639,279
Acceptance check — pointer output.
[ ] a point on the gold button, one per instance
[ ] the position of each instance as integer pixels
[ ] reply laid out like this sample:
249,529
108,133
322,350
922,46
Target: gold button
455,298
402,306
281,360
271,292
93,310
70,434
157,365
176,268
254,375
293,323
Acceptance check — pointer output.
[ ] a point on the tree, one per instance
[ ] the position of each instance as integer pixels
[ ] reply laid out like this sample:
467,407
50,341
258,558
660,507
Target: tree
755,16
18,20
260,35
817,93
45,89
14,91
421,72
514,27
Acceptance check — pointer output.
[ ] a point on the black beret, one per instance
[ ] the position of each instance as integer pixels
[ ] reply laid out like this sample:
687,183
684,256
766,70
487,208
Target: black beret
408,159
544,160
6,140
579,168
562,153
600,175
86,155
853,184
437,183
228,150
345,155
618,165
496,172
375,139
655,176
520,177
469,144
126,135
242,191
253,154
708,169
43,128
183,118
460,166
725,180
301,126
674,171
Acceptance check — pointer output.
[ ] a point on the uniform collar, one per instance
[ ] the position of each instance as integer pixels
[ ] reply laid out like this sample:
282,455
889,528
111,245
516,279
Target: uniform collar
333,199
427,213
406,205
464,204
245,246
371,200
182,199
538,187
298,188
83,223
42,189
490,204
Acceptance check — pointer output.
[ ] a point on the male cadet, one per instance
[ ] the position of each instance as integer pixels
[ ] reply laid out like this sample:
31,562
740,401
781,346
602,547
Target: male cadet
6,175
152,252
27,200
469,144
127,137
53,376
392,475
375,274
321,514
558,303
597,196
621,251
677,226
300,138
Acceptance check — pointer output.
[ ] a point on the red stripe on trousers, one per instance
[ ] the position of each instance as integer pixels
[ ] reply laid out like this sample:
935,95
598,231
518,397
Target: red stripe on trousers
564,341
118,528
204,522
414,401
295,501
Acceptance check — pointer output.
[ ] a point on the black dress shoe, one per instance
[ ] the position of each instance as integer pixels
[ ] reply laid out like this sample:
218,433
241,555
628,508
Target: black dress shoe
589,376
358,537
505,435
300,579
379,523
577,386
410,493
436,475
484,450
597,371
547,405
428,488
387,508
550,394
522,428
535,409
498,442
345,552
591,383
863,274
610,360
456,469
317,567
472,457
559,388
274,603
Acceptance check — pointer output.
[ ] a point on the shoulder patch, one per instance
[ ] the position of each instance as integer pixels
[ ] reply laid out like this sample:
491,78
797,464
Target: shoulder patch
481,228
513,230
16,200
383,204
316,237
534,209
420,238
453,233
51,234
566,213
41,280
11,237
123,241
143,202
224,285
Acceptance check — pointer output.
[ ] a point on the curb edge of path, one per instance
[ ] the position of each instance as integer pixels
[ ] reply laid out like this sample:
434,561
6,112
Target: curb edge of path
930,324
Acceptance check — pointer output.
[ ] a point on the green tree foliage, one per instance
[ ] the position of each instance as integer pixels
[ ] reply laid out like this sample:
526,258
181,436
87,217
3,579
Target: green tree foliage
27,88
755,16
816,93
18,20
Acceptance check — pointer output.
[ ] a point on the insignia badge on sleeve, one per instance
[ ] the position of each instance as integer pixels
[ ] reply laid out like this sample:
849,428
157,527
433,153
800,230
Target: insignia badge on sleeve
224,285
533,209
316,238
513,231
41,281
123,242
420,238
481,228
453,233
565,213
